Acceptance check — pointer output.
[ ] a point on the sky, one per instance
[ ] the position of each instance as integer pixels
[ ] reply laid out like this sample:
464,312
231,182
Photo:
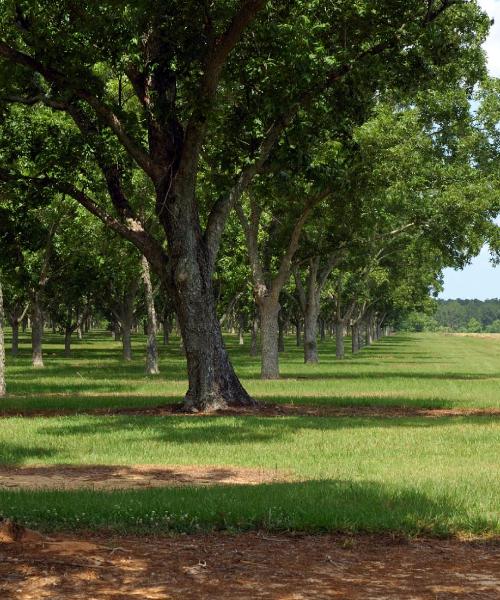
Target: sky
479,279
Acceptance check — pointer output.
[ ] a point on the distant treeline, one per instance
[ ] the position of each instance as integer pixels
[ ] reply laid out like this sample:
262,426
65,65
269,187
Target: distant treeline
458,315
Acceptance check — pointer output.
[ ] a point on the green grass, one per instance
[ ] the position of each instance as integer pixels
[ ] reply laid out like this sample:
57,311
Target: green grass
428,371
409,475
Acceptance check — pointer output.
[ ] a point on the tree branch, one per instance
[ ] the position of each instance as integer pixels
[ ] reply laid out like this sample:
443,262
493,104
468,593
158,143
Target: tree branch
105,113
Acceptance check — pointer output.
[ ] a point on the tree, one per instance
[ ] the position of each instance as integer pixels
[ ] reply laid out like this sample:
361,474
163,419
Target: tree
2,347
179,60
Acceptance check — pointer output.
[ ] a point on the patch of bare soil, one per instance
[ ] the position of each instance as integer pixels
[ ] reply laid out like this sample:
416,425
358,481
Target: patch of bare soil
272,410
109,477
252,565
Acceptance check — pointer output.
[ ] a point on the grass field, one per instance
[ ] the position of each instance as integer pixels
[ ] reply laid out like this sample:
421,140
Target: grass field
437,475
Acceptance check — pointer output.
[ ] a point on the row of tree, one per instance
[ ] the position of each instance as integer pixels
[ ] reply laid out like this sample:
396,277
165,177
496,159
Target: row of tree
314,163
471,316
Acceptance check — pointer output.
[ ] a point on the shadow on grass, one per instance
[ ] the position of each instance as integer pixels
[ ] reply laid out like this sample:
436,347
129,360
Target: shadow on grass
17,454
235,430
316,505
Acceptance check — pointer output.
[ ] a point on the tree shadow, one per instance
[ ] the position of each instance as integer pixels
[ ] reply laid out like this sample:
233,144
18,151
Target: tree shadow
236,430
317,505
17,454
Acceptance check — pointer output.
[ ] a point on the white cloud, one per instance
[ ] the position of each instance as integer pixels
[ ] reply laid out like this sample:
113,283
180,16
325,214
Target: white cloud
492,45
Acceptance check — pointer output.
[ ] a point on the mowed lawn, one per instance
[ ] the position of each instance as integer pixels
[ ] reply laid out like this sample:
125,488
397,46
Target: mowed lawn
434,475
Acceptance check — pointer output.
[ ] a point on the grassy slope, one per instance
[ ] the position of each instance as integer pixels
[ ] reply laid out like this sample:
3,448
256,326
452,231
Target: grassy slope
409,475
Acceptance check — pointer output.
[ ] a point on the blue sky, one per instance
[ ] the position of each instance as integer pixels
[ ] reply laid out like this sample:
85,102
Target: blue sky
479,279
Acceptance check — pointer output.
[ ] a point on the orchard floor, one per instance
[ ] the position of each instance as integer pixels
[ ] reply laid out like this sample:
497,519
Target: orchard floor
373,477
251,565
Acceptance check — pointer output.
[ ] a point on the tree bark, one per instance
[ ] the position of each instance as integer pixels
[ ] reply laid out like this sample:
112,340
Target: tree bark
269,330
311,331
3,389
213,384
37,332
152,367
127,340
339,340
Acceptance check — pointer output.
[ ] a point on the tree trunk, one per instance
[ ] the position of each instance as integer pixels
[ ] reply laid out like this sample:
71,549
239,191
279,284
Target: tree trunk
355,338
368,332
298,336
37,332
322,330
269,332
24,324
67,341
339,340
310,333
127,340
15,337
213,384
166,333
254,350
3,389
241,330
281,335
152,367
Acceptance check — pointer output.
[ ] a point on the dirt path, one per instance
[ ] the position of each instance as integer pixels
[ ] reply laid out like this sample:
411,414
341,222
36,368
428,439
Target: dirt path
108,477
270,410
252,566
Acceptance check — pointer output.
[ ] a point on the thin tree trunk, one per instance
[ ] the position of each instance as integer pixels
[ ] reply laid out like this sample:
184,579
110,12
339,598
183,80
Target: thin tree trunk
339,340
3,389
37,333
127,340
117,333
15,337
254,350
355,338
152,367
368,332
281,335
166,333
67,340
322,330
298,335
310,333
269,331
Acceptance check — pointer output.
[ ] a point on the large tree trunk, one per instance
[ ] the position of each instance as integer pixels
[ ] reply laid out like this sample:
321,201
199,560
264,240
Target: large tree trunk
152,367
269,334
15,337
37,332
2,348
339,340
213,384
